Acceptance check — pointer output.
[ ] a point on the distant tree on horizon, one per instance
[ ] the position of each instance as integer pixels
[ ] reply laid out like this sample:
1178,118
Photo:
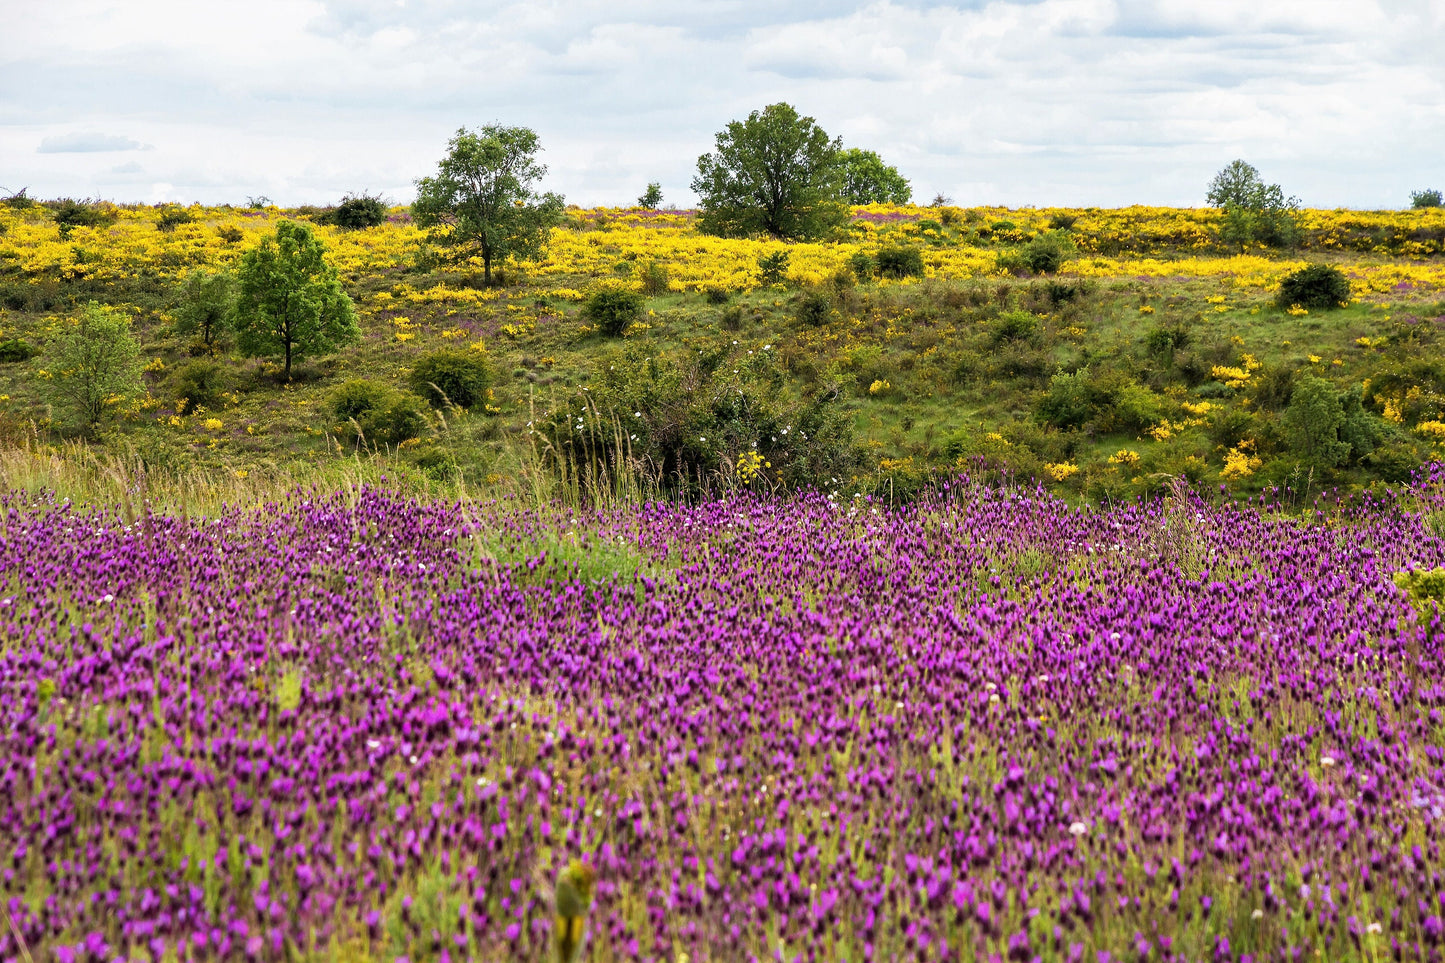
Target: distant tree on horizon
867,180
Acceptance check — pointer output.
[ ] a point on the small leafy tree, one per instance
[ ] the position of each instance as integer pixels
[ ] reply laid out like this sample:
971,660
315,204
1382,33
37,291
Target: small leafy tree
289,300
481,203
1313,421
1426,198
651,197
203,307
775,173
867,180
1254,212
93,362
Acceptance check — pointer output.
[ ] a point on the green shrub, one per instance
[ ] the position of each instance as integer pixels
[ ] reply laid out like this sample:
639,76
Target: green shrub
376,414
1014,326
70,214
814,308
1163,341
452,377
16,349
653,278
1099,401
230,233
19,200
1420,199
716,295
611,310
1047,252
1318,286
861,264
357,397
172,217
358,211
203,307
773,268
95,361
900,262
1062,222
1313,420
198,384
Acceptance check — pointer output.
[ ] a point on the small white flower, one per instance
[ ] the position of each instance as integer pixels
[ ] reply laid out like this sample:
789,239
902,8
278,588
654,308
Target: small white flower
1257,915
1043,678
1078,829
1374,928
1114,636
413,760
370,743
990,686
993,698
481,782
597,813
107,597
1327,761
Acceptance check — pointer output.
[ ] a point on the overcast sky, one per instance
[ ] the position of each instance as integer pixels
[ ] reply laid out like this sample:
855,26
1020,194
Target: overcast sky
1044,102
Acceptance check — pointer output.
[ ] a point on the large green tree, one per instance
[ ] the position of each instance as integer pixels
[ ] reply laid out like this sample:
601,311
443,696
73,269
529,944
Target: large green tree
289,301
775,173
867,180
482,203
1253,210
204,306
93,362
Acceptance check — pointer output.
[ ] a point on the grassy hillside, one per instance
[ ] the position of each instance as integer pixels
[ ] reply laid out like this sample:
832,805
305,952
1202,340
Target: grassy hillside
1154,352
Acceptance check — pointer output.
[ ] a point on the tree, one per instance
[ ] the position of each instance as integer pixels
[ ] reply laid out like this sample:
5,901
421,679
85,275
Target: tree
774,173
651,197
1426,198
867,180
1313,421
289,300
1253,210
93,362
204,305
481,202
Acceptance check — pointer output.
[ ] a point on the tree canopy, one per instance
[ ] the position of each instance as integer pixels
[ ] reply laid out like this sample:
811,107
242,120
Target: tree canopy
867,180
289,301
93,362
1253,210
482,203
775,173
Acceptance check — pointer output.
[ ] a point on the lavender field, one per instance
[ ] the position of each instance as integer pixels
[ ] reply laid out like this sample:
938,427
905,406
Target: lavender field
986,726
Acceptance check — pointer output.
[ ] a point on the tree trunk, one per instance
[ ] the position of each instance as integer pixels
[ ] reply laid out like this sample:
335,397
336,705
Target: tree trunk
486,269
288,360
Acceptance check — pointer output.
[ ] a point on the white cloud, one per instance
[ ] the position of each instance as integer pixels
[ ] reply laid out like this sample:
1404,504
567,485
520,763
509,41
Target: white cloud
991,101
87,142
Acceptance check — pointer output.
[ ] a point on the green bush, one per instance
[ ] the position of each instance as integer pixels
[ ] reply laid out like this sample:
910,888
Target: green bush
1313,420
1014,326
1163,341
19,200
1047,252
717,295
95,361
230,233
357,211
814,308
70,214
172,217
16,349
862,265
357,397
653,278
376,414
1318,286
1426,198
900,262
1100,401
773,268
198,384
452,377
611,310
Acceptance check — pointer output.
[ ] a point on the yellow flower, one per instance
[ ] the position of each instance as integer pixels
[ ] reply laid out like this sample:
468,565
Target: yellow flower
879,387
1124,456
1061,470
212,424
1239,463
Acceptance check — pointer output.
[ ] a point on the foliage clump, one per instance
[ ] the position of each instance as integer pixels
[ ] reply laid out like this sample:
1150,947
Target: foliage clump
93,363
899,261
376,414
452,377
482,203
199,384
611,310
775,173
289,300
1426,198
358,212
203,309
1254,212
867,180
1318,286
